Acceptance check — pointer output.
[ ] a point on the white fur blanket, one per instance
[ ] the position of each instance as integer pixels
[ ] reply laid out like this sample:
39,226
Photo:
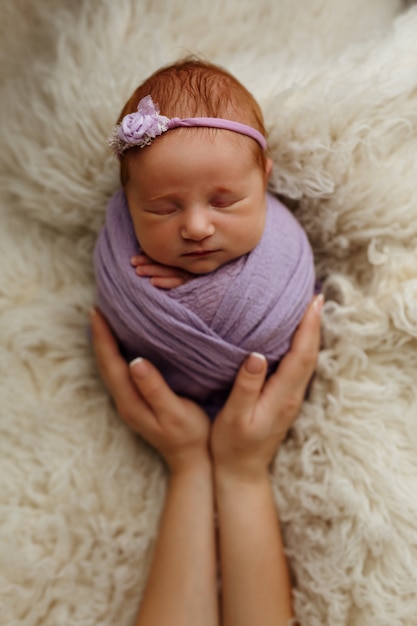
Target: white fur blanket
79,494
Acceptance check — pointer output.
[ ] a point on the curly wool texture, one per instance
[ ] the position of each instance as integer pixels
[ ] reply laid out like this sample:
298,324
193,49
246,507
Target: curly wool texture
80,496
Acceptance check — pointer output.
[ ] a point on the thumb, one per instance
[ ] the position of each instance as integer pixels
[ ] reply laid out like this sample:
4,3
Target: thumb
151,385
246,389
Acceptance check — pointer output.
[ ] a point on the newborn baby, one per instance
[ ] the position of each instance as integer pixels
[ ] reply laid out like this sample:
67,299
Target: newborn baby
194,199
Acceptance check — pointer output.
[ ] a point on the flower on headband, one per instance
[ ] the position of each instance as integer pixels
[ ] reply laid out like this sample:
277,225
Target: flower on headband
140,128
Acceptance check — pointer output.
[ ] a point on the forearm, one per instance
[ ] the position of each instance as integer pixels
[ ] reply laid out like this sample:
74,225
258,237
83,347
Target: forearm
256,586
181,588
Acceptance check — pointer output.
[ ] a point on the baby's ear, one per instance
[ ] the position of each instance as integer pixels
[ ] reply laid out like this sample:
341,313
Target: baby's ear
268,169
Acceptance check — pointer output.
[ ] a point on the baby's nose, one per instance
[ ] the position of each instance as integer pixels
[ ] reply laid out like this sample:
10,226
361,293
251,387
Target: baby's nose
196,225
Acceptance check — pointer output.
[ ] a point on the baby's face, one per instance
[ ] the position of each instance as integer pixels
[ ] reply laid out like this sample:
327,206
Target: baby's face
197,199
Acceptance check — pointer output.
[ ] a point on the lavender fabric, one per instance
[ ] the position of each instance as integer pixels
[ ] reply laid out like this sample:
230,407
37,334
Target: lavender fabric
198,334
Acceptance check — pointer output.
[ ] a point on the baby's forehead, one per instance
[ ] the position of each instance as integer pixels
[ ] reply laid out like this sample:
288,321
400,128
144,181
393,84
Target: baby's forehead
213,164
199,145
226,144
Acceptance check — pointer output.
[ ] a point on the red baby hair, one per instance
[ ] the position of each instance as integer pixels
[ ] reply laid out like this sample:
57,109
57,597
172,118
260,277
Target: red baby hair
195,88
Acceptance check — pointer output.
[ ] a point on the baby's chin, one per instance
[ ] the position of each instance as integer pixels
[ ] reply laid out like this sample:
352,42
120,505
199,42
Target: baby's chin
205,265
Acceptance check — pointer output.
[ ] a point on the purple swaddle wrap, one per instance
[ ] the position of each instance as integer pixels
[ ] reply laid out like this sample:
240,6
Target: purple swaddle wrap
198,334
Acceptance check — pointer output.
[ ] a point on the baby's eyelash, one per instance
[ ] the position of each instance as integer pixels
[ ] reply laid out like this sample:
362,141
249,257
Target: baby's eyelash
223,204
166,211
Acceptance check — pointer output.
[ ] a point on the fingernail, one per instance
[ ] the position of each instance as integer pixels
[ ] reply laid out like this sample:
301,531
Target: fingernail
139,367
255,363
318,303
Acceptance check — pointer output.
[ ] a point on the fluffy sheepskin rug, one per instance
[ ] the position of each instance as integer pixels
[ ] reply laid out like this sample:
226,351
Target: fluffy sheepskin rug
80,495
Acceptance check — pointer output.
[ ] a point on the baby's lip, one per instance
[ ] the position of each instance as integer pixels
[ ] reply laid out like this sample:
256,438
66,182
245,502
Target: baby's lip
198,253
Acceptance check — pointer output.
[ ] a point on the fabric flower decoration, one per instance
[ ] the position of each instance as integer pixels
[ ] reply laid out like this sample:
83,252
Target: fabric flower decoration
140,128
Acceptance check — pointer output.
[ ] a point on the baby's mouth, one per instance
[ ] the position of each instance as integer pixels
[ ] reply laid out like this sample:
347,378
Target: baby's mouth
200,253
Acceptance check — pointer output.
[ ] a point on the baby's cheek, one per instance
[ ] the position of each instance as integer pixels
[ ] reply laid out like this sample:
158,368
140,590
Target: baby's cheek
142,240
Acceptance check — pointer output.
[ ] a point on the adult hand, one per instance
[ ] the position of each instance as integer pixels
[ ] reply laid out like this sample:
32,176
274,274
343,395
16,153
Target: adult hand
175,426
257,416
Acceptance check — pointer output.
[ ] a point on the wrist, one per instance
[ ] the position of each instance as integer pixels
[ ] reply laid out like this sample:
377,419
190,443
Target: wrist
241,499
198,464
231,479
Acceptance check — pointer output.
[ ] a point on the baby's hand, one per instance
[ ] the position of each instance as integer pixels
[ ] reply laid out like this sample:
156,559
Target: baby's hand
162,276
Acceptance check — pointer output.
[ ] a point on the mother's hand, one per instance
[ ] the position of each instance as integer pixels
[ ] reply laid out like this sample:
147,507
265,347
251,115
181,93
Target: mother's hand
249,428
257,416
175,426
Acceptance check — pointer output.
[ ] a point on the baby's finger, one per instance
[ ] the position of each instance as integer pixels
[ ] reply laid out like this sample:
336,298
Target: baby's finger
247,387
167,283
140,259
152,269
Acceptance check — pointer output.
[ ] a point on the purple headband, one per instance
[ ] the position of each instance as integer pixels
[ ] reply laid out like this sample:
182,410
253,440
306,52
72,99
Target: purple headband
140,128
